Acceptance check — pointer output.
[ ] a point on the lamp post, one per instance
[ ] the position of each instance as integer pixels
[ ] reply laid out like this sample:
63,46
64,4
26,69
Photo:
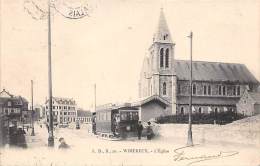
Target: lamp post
51,137
190,141
32,113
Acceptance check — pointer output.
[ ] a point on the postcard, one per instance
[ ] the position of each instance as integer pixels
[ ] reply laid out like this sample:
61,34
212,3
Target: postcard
129,83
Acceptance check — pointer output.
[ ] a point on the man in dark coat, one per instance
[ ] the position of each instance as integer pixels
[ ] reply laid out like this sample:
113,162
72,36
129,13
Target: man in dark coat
150,133
139,130
63,144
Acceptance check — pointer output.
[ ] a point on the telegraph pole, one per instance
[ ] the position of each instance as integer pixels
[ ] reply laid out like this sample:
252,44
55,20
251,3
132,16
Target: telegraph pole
95,97
190,141
32,113
51,137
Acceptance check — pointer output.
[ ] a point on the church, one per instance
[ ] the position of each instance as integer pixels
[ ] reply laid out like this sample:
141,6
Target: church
215,86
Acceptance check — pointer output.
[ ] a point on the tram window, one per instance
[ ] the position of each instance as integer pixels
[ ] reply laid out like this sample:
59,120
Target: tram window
135,115
123,116
130,114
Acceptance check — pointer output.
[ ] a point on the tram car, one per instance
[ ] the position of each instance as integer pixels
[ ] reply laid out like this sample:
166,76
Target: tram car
116,122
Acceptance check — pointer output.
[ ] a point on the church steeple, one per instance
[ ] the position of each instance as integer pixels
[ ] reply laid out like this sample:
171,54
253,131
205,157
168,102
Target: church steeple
162,34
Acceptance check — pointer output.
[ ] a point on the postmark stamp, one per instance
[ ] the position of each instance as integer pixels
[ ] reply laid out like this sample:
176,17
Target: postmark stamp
75,9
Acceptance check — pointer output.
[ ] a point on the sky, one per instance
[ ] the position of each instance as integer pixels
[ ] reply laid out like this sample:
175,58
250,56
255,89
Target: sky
107,47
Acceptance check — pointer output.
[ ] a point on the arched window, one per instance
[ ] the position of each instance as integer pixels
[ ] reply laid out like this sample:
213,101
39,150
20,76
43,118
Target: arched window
209,90
167,58
200,110
219,90
182,111
161,57
194,89
224,90
238,90
216,110
205,90
234,91
164,88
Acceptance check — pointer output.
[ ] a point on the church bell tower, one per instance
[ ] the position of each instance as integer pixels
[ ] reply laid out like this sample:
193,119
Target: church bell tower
163,77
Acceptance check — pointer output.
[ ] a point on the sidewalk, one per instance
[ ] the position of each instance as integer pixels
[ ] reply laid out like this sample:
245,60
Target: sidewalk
39,140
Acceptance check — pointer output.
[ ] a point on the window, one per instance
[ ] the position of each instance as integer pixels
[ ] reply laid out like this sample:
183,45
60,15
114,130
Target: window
164,88
194,89
224,90
216,110
205,90
200,110
234,91
219,90
165,37
161,57
179,88
9,104
167,58
182,110
238,90
209,90
59,107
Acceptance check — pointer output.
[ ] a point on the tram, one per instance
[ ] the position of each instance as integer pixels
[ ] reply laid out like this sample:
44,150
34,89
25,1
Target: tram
115,122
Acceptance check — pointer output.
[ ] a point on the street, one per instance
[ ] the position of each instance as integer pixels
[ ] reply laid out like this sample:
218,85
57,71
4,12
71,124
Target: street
87,149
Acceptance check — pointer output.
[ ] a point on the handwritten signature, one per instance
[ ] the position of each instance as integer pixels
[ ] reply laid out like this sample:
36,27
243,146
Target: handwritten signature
181,156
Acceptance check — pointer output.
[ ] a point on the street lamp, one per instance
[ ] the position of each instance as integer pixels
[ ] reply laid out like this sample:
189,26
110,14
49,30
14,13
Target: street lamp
51,137
32,113
190,141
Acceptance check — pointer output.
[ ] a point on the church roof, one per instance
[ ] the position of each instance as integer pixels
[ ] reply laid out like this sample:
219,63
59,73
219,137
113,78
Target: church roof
201,100
162,33
214,71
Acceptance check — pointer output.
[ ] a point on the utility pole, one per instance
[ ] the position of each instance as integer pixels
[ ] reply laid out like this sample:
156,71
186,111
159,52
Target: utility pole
32,113
51,137
95,97
190,141
1,46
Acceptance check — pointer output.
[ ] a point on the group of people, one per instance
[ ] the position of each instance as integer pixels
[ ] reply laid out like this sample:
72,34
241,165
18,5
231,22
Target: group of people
149,130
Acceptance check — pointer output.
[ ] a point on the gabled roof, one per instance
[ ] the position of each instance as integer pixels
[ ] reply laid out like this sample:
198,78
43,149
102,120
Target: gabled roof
4,93
255,96
62,100
149,99
214,71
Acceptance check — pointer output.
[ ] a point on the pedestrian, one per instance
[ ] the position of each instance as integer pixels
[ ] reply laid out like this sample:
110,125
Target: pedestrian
139,129
63,144
150,133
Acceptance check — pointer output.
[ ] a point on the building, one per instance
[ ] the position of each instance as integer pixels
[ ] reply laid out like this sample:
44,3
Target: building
64,110
15,108
216,86
84,116
39,112
249,104
151,107
147,108
13,111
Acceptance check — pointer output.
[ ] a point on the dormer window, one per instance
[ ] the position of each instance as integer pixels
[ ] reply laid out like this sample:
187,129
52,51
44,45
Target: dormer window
165,37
